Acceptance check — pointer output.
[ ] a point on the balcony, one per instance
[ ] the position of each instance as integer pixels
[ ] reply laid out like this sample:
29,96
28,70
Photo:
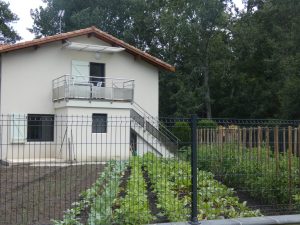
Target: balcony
92,88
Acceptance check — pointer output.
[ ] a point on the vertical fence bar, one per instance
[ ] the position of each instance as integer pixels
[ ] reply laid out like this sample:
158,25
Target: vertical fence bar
283,140
268,144
194,219
250,138
240,143
295,141
244,138
290,152
259,139
276,149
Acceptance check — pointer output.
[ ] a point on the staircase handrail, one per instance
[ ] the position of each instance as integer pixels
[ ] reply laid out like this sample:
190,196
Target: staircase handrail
161,126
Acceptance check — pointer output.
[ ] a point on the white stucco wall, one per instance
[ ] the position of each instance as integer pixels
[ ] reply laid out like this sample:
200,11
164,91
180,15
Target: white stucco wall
26,87
77,142
27,76
73,137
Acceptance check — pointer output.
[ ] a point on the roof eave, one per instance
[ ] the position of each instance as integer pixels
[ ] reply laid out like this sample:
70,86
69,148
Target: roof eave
97,33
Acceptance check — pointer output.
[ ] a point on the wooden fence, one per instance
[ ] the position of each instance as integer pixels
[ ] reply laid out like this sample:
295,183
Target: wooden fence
277,139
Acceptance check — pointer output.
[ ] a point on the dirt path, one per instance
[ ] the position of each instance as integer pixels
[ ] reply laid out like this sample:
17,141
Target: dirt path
35,195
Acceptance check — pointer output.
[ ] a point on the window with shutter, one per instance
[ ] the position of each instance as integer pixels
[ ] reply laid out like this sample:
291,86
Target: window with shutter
18,128
81,71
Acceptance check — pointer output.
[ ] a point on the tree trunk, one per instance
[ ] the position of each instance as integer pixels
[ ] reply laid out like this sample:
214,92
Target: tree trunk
207,92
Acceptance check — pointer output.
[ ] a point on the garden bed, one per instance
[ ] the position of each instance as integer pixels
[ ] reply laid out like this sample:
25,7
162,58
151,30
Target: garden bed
149,189
260,177
35,195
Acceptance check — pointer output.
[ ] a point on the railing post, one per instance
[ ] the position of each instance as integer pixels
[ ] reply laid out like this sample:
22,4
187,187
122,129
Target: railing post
194,212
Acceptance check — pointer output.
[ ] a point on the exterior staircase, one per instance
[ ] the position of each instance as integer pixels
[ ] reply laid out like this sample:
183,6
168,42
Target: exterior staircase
154,135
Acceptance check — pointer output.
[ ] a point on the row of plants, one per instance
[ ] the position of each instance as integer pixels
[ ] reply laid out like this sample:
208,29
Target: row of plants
175,208
257,172
101,208
87,197
171,182
134,207
171,179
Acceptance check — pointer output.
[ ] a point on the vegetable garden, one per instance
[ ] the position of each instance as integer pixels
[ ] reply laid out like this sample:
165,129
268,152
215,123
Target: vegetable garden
242,172
151,189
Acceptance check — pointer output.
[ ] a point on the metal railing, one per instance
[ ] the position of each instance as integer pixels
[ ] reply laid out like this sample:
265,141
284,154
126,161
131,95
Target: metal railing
156,128
92,88
71,170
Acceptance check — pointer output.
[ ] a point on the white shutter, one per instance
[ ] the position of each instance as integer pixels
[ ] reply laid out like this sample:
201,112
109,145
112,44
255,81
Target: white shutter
18,128
81,69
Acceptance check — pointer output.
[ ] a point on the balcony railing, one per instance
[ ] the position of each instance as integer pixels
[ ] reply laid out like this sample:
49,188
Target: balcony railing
92,88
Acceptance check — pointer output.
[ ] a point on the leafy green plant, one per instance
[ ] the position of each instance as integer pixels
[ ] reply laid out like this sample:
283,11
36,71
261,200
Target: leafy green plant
168,200
206,123
134,207
182,130
87,197
101,207
265,178
215,200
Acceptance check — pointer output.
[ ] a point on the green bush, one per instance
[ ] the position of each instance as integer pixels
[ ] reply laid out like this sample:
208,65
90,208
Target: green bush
246,170
206,123
182,131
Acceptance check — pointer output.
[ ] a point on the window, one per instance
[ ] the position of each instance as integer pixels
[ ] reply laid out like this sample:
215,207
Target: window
97,74
40,127
18,128
99,123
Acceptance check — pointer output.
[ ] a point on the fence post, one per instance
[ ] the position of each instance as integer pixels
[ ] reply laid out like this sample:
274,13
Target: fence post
276,149
290,155
194,212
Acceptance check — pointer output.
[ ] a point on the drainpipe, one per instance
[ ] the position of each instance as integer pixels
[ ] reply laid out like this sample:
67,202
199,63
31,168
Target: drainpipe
264,220
0,83
1,150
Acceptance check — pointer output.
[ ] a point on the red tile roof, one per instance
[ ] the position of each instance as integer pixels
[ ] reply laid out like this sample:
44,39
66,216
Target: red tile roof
97,33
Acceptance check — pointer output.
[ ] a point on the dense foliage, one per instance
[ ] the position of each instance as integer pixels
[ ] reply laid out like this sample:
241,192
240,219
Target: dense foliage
253,171
230,62
215,199
170,180
134,207
7,33
182,130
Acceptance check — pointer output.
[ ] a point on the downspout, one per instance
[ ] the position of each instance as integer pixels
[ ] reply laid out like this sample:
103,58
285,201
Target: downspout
0,83
3,158
2,161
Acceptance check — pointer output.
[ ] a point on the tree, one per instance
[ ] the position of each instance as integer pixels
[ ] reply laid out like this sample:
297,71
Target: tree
7,34
266,49
108,15
229,63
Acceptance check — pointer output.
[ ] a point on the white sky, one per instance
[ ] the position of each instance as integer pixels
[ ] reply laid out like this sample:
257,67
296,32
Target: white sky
22,9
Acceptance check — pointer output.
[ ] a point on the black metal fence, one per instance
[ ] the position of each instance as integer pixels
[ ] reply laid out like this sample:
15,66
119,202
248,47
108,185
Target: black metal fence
98,169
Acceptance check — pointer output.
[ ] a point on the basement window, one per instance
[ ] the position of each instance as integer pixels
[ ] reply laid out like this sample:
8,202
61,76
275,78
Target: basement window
99,123
40,127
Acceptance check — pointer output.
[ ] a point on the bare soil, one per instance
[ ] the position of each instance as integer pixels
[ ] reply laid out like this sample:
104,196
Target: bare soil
153,201
122,187
38,194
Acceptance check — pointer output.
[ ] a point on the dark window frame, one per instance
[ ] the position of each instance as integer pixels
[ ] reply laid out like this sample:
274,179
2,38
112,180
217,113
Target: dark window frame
99,125
98,77
40,127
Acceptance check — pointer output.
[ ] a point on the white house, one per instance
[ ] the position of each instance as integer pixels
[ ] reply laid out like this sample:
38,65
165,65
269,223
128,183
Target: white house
83,95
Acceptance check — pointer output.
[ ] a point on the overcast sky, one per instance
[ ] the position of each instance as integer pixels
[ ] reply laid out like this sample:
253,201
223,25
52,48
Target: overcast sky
22,9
